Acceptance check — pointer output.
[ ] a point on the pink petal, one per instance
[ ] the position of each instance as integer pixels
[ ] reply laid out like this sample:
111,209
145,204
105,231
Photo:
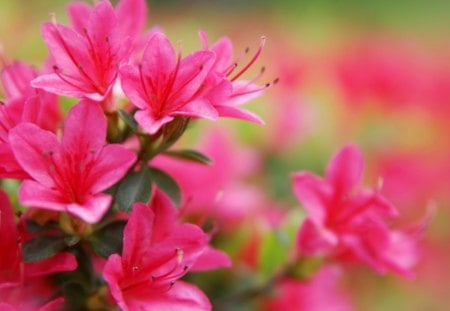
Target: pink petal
101,26
34,194
113,273
93,209
345,169
191,74
52,83
198,108
149,123
159,60
31,146
224,54
313,193
243,92
132,15
55,304
132,86
238,113
212,259
79,13
69,50
60,262
138,233
166,215
15,78
111,165
84,128
181,297
11,256
313,239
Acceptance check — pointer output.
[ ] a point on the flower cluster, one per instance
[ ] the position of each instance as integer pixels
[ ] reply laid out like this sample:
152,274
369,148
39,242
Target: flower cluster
102,209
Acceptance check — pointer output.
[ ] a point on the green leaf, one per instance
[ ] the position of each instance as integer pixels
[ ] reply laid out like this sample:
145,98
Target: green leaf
189,155
109,239
172,132
128,119
274,252
167,184
135,187
42,247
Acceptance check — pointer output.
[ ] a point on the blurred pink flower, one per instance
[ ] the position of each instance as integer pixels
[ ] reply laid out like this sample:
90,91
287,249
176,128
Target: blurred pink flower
344,223
157,252
22,284
386,71
320,293
68,176
88,56
217,190
164,85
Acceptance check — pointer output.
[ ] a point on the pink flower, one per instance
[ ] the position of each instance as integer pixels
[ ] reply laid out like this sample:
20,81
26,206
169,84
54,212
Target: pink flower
164,85
157,252
344,223
87,57
23,104
68,176
226,92
321,293
22,284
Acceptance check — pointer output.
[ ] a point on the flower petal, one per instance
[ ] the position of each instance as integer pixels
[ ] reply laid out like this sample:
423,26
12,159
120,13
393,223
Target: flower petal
93,209
313,193
132,15
181,297
149,123
198,108
159,60
345,169
191,74
32,147
238,113
84,128
138,233
112,164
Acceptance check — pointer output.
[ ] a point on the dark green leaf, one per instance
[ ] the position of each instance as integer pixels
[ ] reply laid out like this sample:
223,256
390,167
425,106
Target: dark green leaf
172,132
34,227
190,155
167,184
135,187
42,247
108,240
128,119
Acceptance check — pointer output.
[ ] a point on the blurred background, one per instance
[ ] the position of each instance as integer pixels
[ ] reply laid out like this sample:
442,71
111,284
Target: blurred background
376,73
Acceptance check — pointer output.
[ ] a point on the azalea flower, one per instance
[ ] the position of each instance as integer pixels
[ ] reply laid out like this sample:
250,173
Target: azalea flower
163,85
88,56
23,104
68,176
345,223
22,284
157,252
226,92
